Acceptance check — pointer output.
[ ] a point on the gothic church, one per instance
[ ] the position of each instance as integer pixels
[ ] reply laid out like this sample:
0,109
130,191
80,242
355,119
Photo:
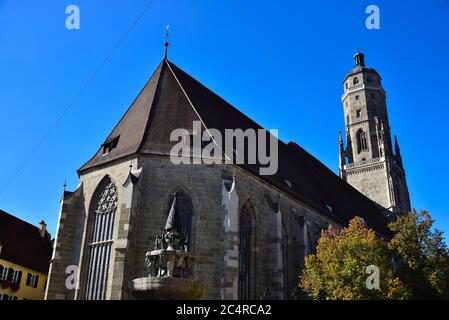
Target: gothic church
249,233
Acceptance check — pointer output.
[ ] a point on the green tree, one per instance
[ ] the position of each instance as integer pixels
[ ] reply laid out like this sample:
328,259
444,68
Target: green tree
421,255
338,269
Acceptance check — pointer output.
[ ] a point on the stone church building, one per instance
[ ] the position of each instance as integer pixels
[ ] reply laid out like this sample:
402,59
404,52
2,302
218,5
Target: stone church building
249,233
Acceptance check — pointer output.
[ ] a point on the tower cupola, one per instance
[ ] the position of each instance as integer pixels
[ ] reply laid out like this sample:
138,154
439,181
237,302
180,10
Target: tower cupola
359,59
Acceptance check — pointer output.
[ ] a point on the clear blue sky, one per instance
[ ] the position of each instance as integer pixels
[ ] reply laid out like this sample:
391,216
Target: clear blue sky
280,62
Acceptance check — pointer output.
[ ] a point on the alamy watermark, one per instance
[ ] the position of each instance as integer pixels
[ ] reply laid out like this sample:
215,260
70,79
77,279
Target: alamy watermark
373,280
208,146
372,22
72,22
71,282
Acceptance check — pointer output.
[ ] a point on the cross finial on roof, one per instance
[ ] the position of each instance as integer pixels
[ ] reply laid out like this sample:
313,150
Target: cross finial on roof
167,35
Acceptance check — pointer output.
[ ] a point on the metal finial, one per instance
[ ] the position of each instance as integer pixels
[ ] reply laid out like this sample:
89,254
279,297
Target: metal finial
130,166
65,184
167,36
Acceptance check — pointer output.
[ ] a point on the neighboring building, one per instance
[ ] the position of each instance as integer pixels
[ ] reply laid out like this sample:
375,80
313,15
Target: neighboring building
368,162
249,233
25,253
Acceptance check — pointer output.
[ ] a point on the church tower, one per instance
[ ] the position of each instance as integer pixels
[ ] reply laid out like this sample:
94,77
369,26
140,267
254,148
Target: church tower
368,162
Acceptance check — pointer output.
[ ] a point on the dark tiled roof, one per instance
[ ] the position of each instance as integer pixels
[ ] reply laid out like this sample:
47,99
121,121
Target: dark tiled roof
359,69
162,106
23,245
312,182
132,127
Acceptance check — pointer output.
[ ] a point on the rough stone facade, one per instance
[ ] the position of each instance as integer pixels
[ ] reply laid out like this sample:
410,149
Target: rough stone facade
285,230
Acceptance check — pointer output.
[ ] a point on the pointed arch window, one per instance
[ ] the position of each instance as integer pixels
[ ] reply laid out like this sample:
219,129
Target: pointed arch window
362,144
246,249
100,241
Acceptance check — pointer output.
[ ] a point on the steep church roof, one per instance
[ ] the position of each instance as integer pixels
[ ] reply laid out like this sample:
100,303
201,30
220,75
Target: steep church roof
173,99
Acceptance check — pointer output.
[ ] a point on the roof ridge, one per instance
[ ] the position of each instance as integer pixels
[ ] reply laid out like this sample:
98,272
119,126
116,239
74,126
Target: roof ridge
197,113
163,63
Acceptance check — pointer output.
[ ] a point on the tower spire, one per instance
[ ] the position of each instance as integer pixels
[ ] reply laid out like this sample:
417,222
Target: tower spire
397,152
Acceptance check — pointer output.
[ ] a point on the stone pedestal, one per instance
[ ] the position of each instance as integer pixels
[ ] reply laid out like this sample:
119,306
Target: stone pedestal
168,288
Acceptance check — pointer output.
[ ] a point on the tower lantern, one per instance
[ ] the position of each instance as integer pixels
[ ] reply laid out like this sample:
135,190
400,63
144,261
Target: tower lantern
359,59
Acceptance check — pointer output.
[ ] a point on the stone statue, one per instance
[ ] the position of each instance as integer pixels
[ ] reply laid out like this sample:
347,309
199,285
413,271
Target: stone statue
169,265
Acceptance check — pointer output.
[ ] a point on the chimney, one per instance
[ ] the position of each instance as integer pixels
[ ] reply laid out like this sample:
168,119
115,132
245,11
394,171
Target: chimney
43,229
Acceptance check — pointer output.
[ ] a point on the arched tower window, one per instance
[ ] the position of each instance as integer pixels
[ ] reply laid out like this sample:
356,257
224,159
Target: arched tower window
184,209
355,81
362,144
100,240
246,249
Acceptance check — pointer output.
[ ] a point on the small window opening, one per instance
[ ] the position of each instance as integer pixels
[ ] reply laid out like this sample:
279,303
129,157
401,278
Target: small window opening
110,144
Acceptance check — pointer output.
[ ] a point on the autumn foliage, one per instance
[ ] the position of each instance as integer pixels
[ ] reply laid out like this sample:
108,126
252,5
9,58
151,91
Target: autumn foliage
414,264
338,269
421,255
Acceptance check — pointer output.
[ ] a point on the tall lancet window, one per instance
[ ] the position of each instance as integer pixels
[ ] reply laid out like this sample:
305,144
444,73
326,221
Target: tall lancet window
100,241
286,262
362,144
246,249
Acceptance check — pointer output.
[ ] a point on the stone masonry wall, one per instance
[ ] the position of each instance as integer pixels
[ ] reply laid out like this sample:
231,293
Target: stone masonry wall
285,230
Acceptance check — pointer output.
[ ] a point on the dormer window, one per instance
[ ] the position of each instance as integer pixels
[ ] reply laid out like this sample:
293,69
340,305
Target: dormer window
288,183
109,145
